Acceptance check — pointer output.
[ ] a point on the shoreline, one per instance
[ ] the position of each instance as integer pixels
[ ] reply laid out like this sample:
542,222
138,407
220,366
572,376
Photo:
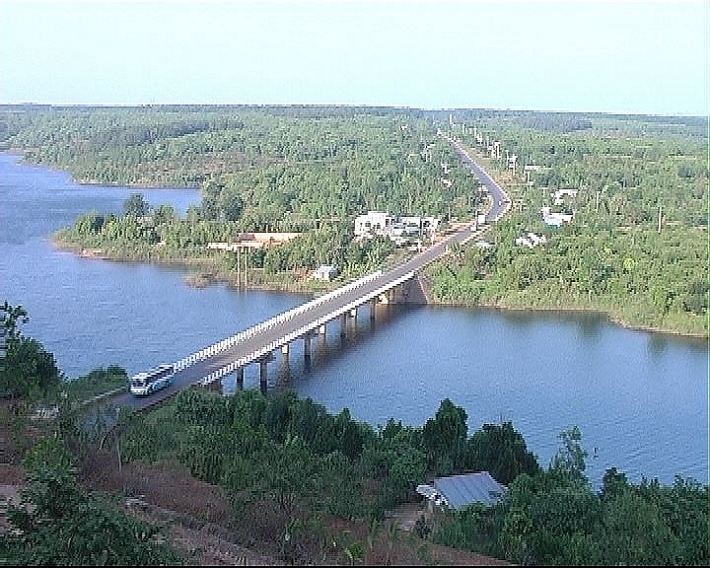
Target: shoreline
199,273
611,318
202,279
22,159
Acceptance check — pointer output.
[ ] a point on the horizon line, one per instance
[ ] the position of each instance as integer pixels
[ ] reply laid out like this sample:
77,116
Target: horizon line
352,105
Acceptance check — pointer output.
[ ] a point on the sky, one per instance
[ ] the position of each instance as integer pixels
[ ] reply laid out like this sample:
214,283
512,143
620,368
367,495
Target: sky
622,56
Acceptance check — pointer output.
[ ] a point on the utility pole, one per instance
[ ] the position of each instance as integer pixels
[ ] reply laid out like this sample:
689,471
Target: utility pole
239,267
3,347
246,267
659,219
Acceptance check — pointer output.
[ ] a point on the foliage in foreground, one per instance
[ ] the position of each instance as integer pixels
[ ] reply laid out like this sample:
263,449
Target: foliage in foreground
555,518
291,458
57,524
308,464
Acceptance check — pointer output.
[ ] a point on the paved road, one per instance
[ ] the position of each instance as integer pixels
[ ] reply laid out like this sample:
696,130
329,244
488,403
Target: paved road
500,199
317,313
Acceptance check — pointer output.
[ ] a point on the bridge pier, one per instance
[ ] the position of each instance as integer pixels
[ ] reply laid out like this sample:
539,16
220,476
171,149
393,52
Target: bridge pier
263,374
215,386
394,290
343,324
284,372
307,346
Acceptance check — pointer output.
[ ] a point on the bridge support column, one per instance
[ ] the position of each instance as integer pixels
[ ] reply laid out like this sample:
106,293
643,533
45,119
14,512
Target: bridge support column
321,330
215,386
373,306
284,373
263,374
343,324
307,346
240,378
284,351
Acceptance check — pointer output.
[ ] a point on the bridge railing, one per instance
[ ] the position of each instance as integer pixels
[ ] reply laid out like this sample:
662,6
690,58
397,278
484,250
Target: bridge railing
229,342
218,374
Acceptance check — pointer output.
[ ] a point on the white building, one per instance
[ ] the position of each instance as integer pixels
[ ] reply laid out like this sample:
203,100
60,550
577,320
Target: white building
560,194
325,272
387,225
555,219
531,240
374,223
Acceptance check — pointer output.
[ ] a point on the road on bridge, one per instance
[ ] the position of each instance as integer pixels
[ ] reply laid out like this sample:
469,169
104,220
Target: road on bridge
332,307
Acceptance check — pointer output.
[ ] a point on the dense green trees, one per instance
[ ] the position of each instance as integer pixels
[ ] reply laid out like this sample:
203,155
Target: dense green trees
554,517
307,463
637,246
134,206
27,370
500,450
444,438
265,164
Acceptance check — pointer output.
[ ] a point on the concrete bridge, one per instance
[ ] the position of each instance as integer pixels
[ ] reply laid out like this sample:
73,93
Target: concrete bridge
257,344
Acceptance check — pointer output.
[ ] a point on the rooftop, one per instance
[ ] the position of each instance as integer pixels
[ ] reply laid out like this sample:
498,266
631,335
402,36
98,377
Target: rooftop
457,491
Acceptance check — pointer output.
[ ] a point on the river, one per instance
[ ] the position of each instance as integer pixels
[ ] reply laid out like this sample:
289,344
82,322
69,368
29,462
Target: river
640,399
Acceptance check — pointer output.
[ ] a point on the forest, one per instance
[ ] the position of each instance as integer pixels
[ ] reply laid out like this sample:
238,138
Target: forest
636,186
293,473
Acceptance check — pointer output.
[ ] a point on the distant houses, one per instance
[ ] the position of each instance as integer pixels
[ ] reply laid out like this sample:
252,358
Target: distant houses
531,240
253,240
560,197
560,194
397,228
325,272
555,219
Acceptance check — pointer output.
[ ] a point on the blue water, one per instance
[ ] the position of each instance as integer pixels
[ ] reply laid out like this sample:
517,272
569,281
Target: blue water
640,399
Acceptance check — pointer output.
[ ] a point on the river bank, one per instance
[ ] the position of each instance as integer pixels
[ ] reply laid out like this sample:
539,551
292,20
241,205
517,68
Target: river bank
207,271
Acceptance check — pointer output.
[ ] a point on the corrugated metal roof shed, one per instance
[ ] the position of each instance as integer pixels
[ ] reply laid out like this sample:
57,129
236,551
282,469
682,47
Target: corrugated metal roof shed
461,490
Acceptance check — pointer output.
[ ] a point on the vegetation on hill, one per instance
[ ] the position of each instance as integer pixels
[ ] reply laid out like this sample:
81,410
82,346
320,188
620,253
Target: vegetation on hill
637,248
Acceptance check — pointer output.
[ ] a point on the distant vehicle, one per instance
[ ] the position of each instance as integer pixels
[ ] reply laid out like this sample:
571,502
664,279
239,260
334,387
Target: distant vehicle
146,383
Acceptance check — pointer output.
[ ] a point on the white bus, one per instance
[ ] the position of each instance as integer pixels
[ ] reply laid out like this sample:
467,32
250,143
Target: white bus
147,383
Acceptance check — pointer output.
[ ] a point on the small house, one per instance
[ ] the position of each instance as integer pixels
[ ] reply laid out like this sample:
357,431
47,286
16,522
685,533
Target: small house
325,272
459,491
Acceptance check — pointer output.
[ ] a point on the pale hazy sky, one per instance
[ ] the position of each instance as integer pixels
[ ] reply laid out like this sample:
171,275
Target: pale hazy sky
628,56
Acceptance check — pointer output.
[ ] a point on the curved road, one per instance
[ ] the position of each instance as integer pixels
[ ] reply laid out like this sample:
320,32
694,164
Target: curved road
312,315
